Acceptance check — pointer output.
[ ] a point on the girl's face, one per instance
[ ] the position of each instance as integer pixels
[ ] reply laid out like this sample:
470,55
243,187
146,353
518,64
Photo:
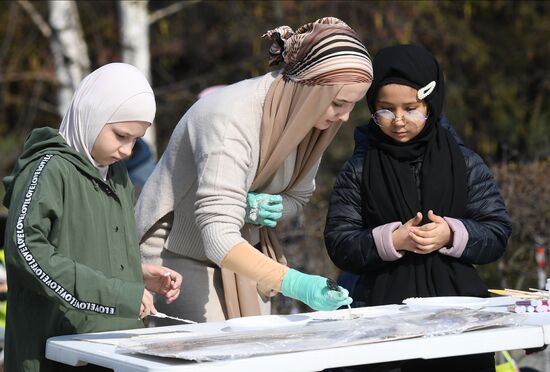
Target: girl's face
342,105
401,100
116,141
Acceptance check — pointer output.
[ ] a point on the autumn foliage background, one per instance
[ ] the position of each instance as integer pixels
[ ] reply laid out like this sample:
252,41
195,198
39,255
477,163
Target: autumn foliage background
495,54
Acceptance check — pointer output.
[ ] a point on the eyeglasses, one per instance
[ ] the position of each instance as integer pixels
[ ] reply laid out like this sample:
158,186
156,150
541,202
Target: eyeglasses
385,118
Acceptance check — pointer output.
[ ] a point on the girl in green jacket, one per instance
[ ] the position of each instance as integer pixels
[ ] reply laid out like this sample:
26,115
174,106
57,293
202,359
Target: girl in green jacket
73,261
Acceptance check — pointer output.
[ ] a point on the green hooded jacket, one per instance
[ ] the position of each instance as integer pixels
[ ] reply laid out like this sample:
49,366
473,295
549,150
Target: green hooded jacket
72,255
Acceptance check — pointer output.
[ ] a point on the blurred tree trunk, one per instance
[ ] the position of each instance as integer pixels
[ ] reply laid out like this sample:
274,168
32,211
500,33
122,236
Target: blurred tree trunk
134,37
68,48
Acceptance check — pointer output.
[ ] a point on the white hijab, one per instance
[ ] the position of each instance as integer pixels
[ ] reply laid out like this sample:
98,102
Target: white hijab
113,93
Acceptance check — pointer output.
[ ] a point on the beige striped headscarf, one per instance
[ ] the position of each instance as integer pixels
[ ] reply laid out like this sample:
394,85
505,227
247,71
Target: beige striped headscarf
324,52
320,58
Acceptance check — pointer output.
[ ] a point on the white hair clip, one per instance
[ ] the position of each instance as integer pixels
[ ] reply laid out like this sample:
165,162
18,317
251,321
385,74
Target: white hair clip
426,90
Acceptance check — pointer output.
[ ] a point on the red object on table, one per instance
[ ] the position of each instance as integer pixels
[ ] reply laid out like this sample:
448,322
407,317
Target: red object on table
539,256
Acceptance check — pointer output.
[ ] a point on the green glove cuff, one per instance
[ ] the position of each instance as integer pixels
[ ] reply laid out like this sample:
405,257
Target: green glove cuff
291,282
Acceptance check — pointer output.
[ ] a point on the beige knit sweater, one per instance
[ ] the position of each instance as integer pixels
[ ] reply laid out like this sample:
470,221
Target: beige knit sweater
207,170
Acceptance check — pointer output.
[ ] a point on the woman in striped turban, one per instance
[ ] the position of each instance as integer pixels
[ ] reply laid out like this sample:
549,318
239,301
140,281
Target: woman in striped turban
240,159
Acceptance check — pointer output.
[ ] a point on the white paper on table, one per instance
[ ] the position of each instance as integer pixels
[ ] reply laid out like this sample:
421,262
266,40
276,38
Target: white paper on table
228,344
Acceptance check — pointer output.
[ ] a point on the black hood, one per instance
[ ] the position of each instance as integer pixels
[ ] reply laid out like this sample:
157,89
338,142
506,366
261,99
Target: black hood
410,65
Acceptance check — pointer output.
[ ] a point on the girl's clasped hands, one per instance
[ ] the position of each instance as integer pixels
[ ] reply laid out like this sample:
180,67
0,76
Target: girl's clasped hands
423,239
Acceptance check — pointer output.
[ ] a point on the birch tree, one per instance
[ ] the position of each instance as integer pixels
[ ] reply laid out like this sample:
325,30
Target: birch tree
69,49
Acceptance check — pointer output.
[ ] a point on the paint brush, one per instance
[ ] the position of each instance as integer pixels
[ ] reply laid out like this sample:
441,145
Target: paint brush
333,286
164,316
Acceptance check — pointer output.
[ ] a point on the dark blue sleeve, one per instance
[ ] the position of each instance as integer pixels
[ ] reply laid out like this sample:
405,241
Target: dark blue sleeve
487,220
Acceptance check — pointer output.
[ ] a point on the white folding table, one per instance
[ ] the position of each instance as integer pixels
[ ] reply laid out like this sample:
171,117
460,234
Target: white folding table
100,349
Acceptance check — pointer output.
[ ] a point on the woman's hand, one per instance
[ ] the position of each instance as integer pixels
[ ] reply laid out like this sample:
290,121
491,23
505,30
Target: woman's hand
431,236
162,280
401,238
313,290
147,306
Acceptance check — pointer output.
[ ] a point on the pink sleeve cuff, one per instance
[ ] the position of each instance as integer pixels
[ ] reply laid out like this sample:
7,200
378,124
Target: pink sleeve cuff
384,242
460,238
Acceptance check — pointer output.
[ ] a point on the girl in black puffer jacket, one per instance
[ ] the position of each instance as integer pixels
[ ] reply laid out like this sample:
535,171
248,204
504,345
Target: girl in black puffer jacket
414,210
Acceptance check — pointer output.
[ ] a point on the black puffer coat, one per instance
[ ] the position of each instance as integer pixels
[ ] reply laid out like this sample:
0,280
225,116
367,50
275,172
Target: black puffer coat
348,237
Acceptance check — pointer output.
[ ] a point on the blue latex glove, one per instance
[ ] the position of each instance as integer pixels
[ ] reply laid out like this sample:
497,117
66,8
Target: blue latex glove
263,209
313,291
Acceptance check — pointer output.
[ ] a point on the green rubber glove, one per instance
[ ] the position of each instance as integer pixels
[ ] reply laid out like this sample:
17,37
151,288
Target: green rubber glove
313,291
263,209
